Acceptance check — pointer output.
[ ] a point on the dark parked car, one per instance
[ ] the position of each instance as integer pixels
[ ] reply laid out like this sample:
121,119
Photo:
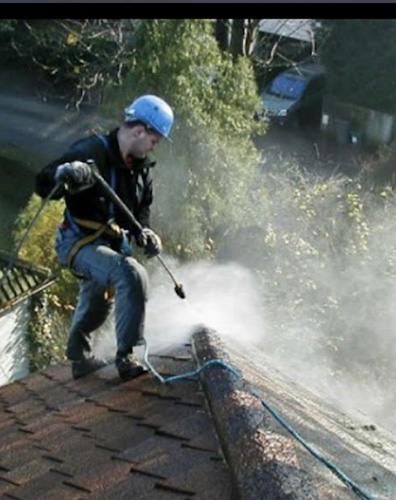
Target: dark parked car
295,95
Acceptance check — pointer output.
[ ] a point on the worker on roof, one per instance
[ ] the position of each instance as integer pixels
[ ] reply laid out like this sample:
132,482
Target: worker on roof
95,238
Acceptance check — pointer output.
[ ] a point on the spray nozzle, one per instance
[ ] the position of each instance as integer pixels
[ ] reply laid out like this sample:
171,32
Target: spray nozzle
180,291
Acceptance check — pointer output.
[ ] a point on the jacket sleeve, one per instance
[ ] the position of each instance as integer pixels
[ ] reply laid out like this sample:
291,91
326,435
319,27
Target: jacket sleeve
144,211
82,150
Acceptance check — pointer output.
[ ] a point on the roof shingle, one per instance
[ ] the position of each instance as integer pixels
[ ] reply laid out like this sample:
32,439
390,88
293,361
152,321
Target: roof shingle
99,438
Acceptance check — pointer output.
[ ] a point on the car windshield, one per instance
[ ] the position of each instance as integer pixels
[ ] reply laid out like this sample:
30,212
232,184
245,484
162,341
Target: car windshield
287,86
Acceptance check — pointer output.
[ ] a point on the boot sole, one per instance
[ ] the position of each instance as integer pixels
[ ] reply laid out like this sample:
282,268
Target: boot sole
83,373
132,374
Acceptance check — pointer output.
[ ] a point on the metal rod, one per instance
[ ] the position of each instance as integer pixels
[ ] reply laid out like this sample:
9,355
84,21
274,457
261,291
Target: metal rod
167,269
109,192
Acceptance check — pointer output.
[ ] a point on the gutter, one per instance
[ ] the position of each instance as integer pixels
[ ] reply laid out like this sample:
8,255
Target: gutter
12,303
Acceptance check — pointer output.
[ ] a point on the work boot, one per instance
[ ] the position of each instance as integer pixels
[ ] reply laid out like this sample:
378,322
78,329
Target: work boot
128,366
85,366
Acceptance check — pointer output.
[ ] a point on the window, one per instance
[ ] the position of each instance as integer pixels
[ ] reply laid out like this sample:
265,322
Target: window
287,86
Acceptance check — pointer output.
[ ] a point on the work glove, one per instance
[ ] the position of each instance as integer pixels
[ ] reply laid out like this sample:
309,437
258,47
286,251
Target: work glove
150,242
77,172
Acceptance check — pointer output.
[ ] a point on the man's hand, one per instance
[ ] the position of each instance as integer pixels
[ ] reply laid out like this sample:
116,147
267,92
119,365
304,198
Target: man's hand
150,241
77,172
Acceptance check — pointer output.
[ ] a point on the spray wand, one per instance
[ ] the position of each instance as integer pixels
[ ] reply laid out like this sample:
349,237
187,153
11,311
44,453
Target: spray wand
109,192
178,286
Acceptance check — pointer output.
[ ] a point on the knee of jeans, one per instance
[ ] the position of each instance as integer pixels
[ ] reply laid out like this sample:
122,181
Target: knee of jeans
133,275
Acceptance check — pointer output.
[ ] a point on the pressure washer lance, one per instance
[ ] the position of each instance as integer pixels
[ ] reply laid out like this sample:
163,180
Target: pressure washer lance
178,286
109,192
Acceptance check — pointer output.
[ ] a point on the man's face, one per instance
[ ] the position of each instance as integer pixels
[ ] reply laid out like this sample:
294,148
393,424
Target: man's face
143,142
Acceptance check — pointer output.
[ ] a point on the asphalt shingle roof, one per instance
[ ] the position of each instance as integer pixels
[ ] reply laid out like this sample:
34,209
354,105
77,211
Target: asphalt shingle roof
96,437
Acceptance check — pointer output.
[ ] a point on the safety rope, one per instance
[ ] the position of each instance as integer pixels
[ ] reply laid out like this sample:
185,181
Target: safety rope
15,255
338,472
193,374
332,467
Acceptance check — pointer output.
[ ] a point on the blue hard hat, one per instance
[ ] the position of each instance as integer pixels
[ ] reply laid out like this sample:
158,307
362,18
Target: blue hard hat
153,111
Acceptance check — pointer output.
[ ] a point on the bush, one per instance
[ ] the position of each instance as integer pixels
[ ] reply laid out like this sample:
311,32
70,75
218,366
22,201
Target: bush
39,247
324,248
50,312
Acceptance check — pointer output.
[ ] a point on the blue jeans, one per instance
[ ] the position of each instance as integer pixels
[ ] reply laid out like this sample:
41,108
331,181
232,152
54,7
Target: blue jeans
101,268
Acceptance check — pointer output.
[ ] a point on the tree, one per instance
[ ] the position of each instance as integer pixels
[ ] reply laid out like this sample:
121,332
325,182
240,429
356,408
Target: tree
7,25
206,178
78,56
238,36
360,61
208,171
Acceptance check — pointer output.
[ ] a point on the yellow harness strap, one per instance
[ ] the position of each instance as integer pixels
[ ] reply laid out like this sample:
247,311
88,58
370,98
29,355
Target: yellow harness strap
111,229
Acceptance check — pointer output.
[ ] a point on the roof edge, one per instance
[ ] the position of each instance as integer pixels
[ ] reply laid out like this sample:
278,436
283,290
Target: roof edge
29,293
262,459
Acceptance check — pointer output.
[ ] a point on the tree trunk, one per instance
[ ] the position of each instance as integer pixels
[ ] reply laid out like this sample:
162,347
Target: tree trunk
223,35
244,36
237,45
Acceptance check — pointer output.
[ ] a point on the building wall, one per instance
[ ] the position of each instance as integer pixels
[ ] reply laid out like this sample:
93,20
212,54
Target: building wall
13,346
379,127
350,123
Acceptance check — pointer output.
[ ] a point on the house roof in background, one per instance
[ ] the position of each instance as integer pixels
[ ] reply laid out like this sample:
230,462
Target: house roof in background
299,29
19,279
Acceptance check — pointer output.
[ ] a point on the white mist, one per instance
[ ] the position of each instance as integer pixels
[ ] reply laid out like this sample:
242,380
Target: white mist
220,296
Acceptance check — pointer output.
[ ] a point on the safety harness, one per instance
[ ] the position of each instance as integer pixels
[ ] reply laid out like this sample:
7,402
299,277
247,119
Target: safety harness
110,228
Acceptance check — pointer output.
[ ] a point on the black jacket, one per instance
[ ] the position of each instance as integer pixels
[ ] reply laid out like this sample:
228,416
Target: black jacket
133,186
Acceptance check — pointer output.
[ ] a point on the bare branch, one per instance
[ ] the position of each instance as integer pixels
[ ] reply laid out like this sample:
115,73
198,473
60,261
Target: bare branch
82,55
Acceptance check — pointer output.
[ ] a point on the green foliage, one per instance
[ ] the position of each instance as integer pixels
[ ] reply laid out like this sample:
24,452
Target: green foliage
7,25
360,60
180,60
325,251
47,333
204,177
50,311
7,29
46,328
39,247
